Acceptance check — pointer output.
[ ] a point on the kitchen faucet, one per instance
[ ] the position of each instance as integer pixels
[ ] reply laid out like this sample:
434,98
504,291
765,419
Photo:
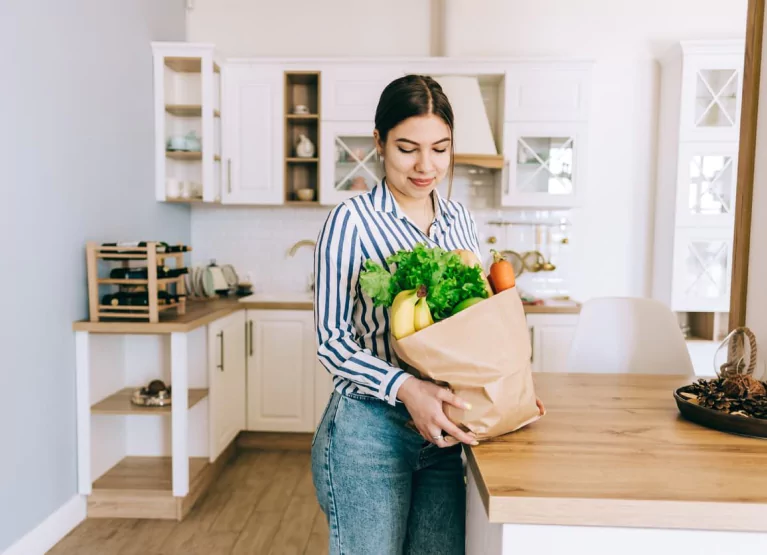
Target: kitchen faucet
294,249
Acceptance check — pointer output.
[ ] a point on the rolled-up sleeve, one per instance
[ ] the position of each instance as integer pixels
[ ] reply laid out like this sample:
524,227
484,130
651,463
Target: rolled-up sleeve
338,259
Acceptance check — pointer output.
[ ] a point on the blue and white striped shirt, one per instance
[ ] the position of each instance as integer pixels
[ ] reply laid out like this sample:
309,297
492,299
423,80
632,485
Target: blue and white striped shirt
353,335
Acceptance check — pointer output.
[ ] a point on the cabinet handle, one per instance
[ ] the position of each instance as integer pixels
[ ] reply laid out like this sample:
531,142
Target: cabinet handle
229,174
532,343
250,336
221,365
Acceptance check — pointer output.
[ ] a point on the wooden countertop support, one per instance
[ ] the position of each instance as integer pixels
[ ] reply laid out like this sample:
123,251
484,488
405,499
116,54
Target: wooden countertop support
613,450
200,313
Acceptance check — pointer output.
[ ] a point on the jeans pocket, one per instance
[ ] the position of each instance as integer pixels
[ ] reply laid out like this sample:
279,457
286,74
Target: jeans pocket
332,400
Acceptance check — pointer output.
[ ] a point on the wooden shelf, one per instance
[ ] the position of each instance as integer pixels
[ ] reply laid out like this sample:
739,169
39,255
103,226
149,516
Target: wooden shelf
120,403
161,281
142,487
188,156
299,117
302,202
302,160
188,110
482,160
182,200
188,65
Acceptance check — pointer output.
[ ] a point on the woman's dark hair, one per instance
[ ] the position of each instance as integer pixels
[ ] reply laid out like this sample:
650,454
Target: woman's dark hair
414,95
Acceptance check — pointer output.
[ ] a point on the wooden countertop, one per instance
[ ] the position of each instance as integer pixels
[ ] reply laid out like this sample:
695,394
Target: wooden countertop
613,450
200,313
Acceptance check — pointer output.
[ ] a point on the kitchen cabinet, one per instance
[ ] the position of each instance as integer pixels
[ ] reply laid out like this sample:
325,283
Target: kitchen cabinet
282,368
226,371
548,92
696,188
545,164
702,270
711,87
253,134
187,117
352,92
349,162
551,336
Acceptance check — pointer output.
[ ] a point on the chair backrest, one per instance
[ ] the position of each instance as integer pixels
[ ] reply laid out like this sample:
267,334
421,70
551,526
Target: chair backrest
632,335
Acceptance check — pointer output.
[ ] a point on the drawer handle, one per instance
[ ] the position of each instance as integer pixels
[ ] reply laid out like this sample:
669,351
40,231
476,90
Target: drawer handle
221,365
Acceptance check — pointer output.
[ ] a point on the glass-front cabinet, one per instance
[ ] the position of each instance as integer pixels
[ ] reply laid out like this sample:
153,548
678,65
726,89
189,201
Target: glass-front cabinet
702,272
708,175
712,97
544,164
349,162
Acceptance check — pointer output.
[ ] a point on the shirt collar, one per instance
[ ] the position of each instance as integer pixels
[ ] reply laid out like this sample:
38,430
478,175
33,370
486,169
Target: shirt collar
384,201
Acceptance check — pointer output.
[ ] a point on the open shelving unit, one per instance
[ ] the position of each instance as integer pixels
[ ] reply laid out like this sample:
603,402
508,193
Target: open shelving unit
138,461
187,101
302,173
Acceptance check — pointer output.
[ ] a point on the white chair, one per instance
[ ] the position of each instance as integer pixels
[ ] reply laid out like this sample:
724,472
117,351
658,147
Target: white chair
628,335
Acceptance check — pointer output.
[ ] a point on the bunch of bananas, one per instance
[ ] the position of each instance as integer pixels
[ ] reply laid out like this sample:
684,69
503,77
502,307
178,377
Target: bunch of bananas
410,312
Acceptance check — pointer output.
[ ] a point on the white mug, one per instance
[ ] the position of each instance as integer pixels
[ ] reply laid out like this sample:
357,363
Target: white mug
172,187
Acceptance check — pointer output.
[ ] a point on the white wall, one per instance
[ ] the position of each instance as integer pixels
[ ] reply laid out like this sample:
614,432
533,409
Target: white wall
756,305
312,28
613,241
76,164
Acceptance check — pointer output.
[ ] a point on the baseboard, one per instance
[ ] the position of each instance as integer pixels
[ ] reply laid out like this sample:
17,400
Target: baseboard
275,441
50,532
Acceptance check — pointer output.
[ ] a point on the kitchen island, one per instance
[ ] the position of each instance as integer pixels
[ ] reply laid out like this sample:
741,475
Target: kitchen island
613,468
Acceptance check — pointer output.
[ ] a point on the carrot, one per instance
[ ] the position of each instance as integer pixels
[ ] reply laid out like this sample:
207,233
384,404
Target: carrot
501,273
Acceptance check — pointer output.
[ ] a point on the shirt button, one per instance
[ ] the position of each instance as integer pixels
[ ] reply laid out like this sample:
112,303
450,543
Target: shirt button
386,397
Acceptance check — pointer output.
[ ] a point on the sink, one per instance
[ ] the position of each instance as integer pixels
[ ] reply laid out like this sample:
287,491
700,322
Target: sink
279,297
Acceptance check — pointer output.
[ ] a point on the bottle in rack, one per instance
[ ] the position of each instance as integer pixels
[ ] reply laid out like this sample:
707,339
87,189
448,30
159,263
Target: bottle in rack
138,298
142,273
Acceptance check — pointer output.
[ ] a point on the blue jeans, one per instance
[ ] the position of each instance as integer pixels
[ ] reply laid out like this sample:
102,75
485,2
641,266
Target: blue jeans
383,489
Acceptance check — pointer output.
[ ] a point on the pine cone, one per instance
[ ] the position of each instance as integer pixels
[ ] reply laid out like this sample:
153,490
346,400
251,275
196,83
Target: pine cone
743,386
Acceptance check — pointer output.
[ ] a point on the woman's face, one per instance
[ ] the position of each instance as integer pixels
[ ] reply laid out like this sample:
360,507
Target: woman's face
416,155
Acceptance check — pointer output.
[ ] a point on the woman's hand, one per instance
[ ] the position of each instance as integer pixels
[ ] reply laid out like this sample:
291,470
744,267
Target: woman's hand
424,401
541,408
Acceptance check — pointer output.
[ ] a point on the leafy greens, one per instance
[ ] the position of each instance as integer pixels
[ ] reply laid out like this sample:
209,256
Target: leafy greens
447,279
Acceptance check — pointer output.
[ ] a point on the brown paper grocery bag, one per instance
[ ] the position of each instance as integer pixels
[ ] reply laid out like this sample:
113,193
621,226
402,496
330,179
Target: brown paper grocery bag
483,355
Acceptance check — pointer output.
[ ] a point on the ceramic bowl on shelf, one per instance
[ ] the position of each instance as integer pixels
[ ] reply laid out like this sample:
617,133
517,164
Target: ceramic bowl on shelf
305,194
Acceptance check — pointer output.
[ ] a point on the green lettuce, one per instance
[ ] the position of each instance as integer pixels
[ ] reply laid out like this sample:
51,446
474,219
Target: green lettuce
447,279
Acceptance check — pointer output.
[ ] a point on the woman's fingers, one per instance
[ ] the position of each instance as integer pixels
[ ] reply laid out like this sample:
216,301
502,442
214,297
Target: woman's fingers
450,398
456,432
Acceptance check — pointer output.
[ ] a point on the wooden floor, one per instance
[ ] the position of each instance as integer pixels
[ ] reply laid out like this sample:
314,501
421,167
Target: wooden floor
263,503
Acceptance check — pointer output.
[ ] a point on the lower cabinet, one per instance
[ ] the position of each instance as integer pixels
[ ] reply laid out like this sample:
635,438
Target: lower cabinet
551,336
287,387
226,376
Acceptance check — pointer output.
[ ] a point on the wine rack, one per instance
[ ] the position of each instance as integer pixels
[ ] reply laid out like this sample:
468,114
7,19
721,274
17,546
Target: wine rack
99,255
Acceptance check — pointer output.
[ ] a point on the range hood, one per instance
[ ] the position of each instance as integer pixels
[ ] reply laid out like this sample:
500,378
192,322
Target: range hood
472,137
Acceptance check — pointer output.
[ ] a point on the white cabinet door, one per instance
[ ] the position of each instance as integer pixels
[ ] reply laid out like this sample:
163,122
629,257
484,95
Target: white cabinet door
711,97
546,164
552,337
348,161
351,93
226,373
253,135
702,270
281,371
547,93
708,175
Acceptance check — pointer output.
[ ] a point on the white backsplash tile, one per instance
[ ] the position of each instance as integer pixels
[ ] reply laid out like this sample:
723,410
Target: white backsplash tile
256,240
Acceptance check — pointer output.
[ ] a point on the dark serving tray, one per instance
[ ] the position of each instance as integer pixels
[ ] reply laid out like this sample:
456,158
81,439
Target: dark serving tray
718,420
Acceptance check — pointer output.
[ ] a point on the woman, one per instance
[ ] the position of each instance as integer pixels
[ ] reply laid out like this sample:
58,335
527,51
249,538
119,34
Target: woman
384,487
